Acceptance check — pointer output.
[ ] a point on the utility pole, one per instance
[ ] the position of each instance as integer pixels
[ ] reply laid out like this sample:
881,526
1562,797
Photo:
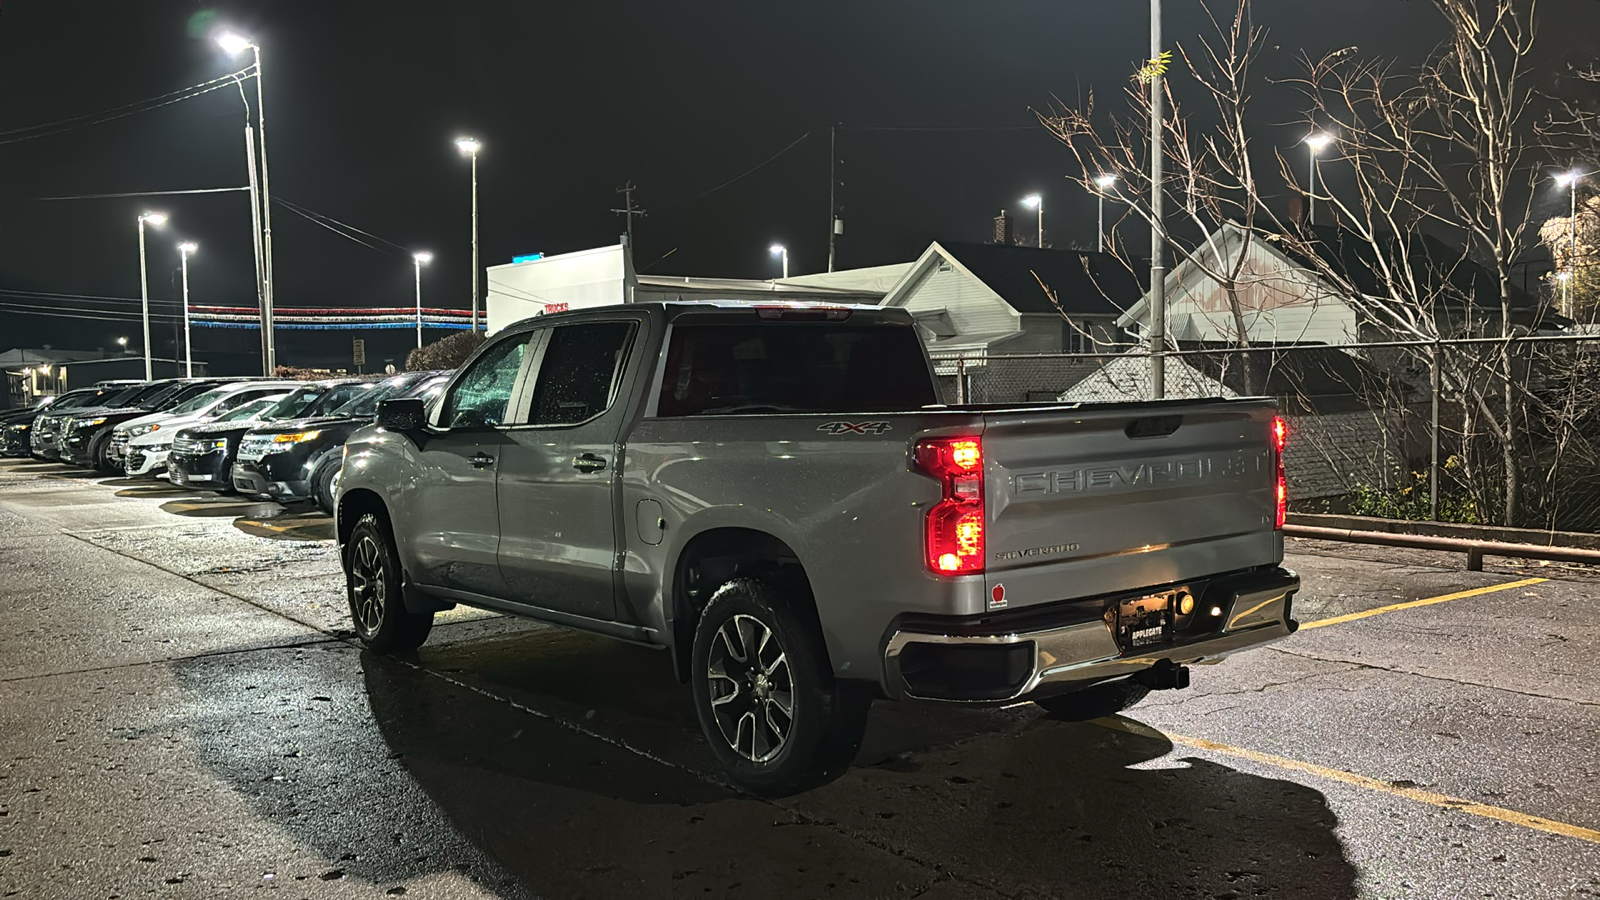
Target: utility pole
629,210
835,224
1158,269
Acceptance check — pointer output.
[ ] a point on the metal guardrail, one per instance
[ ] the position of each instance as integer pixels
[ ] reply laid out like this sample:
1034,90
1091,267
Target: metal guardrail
1475,550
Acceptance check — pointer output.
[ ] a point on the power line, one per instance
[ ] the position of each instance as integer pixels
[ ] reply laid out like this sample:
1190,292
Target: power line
32,132
324,220
746,174
145,194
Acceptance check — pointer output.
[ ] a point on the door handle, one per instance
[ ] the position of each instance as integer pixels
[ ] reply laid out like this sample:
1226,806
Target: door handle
588,462
481,460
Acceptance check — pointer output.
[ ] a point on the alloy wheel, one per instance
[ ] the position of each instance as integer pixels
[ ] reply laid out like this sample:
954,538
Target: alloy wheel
752,689
368,587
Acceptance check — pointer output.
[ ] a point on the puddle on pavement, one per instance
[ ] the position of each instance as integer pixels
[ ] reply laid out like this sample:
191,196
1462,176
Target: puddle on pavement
220,507
301,527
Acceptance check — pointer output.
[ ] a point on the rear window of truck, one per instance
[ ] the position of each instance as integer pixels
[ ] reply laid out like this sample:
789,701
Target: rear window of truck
778,367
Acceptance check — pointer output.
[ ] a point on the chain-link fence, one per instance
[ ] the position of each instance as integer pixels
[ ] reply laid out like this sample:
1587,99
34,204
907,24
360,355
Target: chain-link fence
1481,431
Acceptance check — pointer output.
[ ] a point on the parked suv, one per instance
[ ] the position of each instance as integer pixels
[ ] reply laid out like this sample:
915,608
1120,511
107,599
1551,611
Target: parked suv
776,495
86,437
44,439
296,461
141,445
202,456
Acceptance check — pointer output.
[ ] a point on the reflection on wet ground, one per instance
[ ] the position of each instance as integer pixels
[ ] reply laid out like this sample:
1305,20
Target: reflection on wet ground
1017,803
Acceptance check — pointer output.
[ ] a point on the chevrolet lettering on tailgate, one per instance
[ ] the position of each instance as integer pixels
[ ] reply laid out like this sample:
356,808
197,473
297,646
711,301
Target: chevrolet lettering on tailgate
1242,464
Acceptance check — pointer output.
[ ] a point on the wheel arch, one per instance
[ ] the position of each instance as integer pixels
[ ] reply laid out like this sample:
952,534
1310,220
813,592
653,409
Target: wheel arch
714,556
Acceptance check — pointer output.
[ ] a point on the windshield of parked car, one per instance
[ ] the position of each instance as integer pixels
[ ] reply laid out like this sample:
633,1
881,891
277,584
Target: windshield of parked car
774,367
337,397
295,405
71,401
367,404
428,391
183,394
127,396
199,403
252,409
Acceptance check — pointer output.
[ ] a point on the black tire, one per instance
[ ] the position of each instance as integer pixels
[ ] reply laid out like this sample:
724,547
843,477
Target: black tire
322,485
825,719
1105,699
373,588
100,454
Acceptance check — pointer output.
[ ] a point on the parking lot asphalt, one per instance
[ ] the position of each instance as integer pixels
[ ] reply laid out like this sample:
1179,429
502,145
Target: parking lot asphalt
184,713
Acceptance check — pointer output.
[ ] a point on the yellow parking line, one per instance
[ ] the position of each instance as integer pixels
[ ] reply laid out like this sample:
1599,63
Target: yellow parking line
1443,801
1340,620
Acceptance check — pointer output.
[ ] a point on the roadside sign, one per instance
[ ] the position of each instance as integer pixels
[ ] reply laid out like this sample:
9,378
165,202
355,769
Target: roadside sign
359,347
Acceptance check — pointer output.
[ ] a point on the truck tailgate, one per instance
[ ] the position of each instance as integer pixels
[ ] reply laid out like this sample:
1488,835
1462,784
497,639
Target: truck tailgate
1106,499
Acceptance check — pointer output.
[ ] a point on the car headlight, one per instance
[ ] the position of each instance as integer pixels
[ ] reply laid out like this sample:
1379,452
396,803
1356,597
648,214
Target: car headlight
138,430
296,437
215,444
90,423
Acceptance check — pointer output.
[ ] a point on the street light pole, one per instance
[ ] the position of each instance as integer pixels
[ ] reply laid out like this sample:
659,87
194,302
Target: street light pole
471,146
1036,201
1158,268
1315,141
233,44
781,250
1103,183
156,220
419,260
184,249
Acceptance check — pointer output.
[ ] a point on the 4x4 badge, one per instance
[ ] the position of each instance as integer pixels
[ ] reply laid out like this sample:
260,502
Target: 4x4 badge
855,427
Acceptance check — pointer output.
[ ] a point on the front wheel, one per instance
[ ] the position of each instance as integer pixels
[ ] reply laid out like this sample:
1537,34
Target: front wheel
1104,699
765,696
322,486
373,586
100,455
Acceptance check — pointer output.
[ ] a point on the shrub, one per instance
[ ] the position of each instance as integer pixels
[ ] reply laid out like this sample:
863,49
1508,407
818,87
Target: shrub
445,353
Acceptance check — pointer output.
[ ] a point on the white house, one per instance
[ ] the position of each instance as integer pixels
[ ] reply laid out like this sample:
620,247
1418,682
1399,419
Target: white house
995,298
1281,301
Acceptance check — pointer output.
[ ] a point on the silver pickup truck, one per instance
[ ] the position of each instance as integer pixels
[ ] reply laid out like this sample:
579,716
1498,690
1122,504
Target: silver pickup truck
777,496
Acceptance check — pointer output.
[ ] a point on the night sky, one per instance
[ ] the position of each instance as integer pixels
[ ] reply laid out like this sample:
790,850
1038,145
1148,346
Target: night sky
572,100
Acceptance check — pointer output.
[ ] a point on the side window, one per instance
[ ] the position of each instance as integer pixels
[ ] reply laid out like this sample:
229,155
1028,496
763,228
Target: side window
579,374
234,401
481,396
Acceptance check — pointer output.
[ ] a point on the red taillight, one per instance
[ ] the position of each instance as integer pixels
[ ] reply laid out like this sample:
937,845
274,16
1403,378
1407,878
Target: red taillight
954,537
1280,437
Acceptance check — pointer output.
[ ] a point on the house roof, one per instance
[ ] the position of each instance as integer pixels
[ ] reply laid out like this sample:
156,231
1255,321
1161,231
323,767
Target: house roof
1084,283
1305,380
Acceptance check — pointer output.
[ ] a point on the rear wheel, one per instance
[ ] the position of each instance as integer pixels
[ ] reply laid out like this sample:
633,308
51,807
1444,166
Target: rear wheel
766,699
1106,699
373,586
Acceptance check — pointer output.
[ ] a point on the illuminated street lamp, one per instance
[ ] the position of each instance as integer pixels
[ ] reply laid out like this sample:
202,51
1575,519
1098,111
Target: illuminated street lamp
156,220
418,260
233,44
781,250
1570,181
470,146
184,249
1317,141
1103,184
1036,201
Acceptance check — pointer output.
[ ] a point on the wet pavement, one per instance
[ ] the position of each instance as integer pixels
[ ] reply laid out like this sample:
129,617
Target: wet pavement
183,713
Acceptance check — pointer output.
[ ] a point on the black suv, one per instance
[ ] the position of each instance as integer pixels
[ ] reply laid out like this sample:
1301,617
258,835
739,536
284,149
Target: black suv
86,436
202,455
44,432
295,461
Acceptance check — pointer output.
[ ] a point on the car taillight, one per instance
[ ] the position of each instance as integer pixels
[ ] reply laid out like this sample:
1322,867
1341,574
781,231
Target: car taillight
954,531
1280,437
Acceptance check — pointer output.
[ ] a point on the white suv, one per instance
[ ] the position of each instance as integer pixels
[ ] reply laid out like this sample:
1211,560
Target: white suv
143,443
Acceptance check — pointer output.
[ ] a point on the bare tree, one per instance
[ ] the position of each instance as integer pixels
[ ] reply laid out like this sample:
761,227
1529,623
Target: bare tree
1448,149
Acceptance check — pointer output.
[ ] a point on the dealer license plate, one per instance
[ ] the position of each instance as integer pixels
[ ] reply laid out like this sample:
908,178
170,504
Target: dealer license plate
1143,622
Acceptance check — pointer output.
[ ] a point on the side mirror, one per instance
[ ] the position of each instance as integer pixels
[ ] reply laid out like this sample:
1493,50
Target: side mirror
404,414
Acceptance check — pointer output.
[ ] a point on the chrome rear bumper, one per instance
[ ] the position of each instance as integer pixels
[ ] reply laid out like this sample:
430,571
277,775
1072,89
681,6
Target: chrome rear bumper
1255,611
